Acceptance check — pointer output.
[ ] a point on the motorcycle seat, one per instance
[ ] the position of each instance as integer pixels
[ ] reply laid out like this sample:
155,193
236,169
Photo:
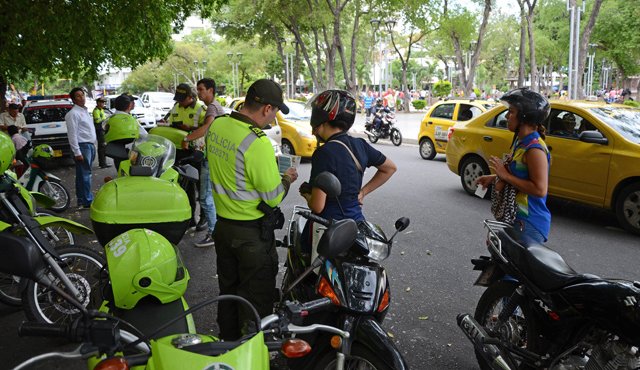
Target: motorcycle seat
543,266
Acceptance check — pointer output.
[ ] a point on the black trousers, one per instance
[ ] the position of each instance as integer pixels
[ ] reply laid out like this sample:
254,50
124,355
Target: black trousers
247,266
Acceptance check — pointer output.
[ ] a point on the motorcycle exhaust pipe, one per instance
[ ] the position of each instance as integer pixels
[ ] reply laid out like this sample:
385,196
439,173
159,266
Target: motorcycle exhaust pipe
369,133
478,336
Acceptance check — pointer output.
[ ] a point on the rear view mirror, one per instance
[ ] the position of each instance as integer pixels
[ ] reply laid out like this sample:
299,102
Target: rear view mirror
329,183
20,257
338,238
402,223
594,137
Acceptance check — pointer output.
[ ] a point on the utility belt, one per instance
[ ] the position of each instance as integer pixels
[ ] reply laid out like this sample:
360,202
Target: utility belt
272,220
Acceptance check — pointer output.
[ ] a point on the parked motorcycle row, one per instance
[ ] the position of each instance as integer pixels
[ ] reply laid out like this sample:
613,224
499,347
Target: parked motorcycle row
537,312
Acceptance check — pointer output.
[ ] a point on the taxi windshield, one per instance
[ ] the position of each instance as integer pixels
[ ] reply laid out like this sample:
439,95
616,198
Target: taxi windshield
626,121
298,111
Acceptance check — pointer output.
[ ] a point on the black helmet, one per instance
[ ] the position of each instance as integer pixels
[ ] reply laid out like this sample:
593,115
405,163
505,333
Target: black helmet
379,101
532,107
333,105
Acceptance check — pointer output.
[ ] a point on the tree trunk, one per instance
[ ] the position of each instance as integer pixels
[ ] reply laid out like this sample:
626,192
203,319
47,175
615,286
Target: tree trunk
584,43
478,47
532,46
3,93
523,40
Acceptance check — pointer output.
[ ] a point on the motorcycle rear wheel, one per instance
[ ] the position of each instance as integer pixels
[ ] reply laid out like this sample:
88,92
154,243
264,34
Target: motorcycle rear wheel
360,358
396,137
520,330
373,138
82,265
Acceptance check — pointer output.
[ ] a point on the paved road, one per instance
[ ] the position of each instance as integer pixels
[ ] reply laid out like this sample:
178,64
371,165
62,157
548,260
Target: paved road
429,268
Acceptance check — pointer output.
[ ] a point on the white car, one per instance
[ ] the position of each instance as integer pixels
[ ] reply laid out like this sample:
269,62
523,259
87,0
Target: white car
145,116
46,117
159,102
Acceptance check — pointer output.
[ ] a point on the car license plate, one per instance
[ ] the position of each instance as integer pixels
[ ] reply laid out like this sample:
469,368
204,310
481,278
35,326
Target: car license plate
57,153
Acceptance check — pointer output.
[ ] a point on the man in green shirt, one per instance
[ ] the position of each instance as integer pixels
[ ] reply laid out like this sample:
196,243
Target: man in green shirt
99,117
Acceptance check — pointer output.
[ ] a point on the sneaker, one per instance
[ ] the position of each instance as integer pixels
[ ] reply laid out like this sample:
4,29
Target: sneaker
104,166
206,242
202,224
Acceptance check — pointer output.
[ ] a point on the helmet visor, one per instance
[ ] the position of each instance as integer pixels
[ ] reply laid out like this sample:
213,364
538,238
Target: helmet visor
153,151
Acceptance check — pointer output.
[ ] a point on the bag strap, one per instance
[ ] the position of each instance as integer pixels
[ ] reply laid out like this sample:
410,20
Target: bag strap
358,165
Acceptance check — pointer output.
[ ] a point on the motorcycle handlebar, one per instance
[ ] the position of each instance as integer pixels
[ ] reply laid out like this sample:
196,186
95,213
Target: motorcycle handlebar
36,329
316,305
315,218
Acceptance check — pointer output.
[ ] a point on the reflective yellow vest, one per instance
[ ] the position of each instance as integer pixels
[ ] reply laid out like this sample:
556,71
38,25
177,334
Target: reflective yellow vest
243,169
192,116
99,116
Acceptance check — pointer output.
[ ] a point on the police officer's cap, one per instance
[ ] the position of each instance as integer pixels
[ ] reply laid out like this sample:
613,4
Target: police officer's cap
182,92
266,91
122,102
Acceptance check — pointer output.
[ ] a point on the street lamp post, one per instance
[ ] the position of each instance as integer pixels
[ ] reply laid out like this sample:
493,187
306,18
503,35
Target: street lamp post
574,47
234,61
375,24
390,23
589,76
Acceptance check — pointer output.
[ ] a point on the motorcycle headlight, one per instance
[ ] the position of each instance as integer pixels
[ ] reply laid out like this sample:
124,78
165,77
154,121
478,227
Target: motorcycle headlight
378,251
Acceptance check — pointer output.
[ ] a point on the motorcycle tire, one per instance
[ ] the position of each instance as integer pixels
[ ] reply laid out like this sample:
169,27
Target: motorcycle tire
58,192
373,138
396,137
83,266
522,326
360,358
10,290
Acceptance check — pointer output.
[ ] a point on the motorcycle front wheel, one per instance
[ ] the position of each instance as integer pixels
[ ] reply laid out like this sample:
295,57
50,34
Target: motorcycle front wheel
360,358
396,137
56,191
83,267
519,330
58,236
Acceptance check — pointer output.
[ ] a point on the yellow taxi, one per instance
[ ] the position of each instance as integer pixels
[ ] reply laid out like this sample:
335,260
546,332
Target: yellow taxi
434,128
296,138
595,154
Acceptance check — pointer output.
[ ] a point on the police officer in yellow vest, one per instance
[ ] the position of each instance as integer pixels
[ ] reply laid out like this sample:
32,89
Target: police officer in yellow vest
99,117
246,188
188,112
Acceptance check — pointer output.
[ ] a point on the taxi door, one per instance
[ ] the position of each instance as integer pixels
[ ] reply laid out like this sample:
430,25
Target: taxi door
579,170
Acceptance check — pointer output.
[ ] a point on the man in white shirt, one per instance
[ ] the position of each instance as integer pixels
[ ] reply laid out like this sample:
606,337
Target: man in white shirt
82,139
12,117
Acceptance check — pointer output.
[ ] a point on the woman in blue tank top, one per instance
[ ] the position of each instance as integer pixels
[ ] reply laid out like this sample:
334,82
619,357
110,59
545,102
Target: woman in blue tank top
527,168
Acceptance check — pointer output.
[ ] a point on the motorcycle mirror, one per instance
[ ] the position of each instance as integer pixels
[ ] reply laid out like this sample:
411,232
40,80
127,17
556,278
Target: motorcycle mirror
329,183
137,170
338,238
20,257
116,151
402,223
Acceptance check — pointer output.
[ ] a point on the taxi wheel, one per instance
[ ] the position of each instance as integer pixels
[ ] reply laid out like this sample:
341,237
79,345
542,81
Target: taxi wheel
628,208
470,170
427,149
287,147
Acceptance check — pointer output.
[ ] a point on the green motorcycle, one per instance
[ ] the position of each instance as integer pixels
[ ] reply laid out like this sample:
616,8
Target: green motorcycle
72,269
160,278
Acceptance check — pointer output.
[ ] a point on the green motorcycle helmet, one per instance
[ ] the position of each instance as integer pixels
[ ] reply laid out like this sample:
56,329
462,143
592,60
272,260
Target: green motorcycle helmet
121,128
43,151
7,152
143,263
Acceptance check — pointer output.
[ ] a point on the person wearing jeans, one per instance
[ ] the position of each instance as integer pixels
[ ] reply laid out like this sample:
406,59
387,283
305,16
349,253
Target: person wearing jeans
82,138
206,203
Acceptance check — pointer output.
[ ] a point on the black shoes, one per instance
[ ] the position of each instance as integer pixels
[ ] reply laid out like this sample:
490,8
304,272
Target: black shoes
202,224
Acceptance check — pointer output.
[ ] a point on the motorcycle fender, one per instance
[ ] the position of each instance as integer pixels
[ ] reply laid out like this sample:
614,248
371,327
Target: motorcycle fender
371,335
72,226
491,272
43,199
4,226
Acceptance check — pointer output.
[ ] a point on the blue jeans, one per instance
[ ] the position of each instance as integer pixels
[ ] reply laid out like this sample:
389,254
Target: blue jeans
206,196
83,174
530,234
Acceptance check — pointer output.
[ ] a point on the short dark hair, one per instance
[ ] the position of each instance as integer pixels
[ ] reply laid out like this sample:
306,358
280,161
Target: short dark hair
209,83
73,92
12,130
